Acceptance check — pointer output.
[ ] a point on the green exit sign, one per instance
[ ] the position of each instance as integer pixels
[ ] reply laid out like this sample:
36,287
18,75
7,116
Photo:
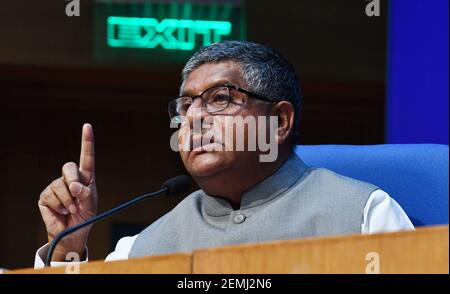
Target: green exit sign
163,31
170,34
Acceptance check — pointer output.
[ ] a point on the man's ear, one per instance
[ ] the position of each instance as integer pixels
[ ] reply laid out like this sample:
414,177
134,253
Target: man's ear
285,112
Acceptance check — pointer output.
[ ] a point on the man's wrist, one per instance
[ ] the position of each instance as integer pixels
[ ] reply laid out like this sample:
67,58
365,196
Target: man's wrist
61,255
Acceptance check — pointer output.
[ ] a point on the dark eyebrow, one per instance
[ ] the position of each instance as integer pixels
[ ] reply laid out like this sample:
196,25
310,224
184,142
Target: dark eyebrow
216,83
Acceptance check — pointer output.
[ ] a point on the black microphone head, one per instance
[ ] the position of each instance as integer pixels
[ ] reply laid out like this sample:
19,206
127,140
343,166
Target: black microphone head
177,185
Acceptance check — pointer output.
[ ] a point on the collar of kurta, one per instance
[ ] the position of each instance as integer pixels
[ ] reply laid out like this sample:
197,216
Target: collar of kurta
270,188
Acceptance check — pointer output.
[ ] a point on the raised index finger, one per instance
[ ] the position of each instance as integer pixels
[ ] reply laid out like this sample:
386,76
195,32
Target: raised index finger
87,155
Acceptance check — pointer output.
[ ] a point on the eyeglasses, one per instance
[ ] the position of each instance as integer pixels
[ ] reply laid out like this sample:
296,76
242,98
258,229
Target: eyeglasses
214,100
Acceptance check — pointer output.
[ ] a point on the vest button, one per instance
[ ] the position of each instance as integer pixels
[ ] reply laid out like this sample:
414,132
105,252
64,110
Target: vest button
239,218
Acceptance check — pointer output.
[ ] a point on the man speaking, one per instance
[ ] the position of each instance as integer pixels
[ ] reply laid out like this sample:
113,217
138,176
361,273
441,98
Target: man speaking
244,196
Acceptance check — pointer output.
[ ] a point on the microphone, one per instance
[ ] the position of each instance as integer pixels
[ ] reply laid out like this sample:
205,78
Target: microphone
171,187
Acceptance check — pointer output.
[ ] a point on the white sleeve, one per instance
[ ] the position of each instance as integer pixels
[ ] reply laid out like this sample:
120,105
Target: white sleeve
121,251
123,248
384,214
41,254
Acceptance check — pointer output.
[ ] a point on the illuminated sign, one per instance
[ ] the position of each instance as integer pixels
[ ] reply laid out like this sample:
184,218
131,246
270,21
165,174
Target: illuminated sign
170,34
138,32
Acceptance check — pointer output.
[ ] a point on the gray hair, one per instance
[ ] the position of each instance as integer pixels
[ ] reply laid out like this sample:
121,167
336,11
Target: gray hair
264,70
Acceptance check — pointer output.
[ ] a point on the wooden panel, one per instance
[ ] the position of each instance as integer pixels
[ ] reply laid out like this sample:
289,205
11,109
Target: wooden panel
421,251
179,263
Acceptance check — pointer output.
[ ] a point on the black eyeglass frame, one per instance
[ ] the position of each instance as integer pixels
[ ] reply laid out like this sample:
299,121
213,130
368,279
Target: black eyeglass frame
229,86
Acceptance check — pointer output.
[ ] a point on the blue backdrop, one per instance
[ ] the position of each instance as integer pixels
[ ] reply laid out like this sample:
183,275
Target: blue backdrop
417,79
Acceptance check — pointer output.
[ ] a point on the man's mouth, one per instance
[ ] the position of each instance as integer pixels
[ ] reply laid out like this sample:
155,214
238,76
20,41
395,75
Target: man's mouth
211,144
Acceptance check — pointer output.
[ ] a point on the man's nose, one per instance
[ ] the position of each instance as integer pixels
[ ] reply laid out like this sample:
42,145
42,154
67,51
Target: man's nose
196,112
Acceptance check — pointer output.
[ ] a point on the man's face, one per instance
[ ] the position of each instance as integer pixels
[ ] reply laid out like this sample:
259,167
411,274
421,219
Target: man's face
206,163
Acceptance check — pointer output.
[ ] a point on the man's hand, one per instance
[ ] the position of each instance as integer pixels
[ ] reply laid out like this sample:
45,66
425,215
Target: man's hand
71,199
